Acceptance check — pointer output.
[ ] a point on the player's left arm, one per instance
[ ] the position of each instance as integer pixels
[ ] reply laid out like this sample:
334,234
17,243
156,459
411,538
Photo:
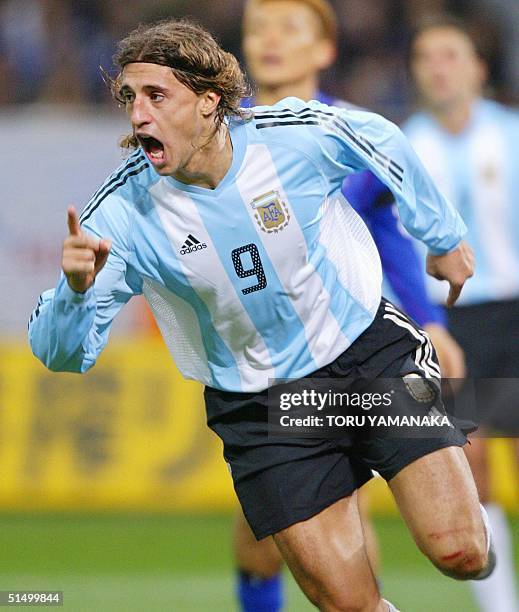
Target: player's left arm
402,267
400,262
360,140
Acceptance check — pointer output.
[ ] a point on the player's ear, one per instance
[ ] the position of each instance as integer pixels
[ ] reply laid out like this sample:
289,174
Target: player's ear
325,53
209,101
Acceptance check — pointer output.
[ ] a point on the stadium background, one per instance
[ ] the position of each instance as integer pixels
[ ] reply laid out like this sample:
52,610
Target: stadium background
112,489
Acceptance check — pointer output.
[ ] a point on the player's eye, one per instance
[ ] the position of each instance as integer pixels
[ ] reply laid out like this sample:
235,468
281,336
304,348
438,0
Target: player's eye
126,97
156,97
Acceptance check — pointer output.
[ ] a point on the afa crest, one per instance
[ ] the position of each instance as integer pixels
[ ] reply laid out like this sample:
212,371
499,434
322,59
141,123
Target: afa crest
271,212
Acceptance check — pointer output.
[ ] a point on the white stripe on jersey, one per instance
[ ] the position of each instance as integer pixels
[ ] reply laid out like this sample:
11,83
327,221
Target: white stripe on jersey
424,352
301,282
179,217
491,202
350,247
180,329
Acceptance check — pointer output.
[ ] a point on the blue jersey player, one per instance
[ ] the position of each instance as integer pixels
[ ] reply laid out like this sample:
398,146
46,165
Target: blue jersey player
235,229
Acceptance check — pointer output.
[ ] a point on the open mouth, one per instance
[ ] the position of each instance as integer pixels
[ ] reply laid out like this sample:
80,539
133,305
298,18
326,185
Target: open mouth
153,148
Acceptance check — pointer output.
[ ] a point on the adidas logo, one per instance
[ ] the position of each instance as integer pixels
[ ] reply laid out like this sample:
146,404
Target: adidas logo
192,244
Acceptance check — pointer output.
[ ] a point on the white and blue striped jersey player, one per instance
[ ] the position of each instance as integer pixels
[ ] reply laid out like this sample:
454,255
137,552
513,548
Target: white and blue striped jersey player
477,170
272,274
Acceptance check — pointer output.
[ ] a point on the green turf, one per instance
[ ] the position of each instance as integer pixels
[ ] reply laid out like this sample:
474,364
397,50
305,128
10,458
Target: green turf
180,563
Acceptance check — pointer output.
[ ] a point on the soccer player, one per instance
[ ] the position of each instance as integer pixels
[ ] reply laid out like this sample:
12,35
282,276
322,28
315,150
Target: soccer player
235,230
287,43
471,148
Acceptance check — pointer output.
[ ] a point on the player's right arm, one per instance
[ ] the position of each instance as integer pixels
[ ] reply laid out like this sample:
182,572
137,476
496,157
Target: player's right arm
71,323
83,256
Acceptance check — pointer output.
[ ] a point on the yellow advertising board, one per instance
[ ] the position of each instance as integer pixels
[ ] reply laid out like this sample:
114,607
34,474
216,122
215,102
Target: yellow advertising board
131,433
128,435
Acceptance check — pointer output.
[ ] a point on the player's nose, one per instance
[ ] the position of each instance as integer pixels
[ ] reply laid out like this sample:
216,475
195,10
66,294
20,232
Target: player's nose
139,114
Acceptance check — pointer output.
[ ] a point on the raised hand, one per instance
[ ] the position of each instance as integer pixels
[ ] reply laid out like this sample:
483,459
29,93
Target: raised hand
83,256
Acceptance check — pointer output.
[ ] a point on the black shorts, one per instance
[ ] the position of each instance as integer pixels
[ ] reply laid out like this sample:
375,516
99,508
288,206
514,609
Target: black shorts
281,481
489,335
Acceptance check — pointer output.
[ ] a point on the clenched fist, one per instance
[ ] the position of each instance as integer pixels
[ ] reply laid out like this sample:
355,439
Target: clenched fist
83,255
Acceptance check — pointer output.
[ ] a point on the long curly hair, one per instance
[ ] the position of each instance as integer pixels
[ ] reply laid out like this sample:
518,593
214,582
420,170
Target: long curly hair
195,59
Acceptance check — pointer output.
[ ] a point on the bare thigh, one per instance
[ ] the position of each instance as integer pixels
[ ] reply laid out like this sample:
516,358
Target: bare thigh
262,558
327,556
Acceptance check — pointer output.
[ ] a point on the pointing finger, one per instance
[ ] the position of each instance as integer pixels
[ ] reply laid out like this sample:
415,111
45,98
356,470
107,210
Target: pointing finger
454,293
73,222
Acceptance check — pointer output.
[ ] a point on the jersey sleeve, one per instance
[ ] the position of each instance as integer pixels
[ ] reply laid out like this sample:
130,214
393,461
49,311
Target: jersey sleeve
68,330
353,140
401,265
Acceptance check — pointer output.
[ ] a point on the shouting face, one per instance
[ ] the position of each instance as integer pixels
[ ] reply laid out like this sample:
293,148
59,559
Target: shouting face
169,120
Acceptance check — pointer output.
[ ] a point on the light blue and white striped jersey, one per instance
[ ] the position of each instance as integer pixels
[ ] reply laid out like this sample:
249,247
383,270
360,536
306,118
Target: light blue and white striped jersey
478,170
269,276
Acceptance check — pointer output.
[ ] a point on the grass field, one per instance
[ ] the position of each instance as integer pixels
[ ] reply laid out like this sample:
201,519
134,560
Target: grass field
181,563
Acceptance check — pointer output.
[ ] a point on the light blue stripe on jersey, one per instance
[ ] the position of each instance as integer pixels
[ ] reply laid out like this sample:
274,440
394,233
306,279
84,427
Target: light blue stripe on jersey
285,350
351,314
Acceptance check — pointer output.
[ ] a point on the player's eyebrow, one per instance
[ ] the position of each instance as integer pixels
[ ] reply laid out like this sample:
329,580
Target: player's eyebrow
160,88
150,87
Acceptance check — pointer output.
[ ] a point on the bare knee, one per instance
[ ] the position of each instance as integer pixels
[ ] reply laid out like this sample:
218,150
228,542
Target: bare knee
444,515
460,554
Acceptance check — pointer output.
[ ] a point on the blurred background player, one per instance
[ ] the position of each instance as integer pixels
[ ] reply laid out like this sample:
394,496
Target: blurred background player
470,146
287,43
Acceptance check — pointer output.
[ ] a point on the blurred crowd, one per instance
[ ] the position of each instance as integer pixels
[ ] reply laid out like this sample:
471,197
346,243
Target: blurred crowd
51,50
